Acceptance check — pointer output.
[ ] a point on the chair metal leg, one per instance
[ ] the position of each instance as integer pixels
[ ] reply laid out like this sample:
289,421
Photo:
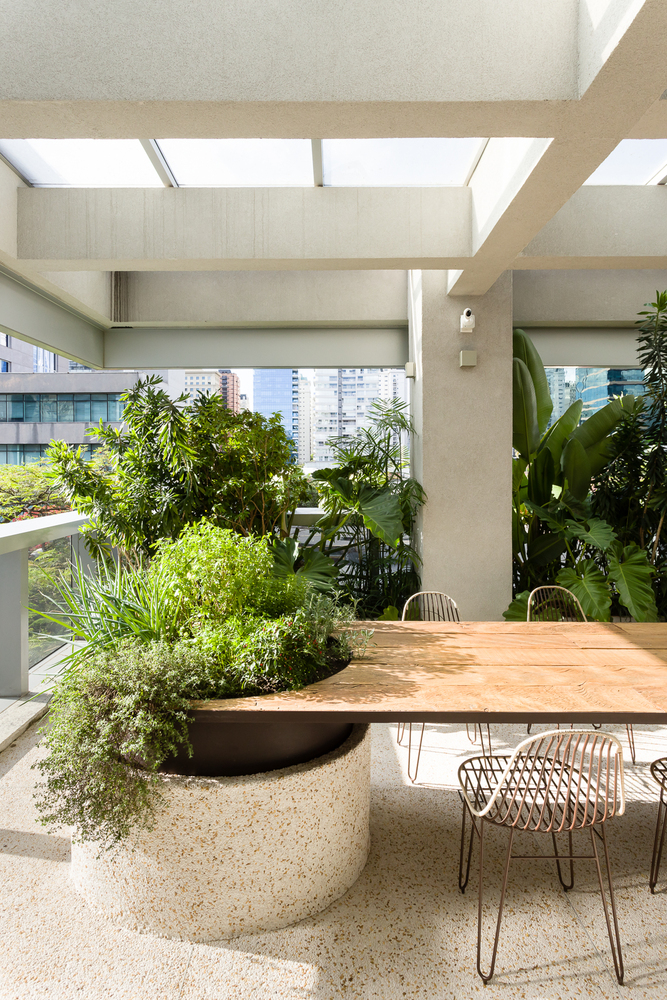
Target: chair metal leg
463,882
569,885
658,841
478,732
486,976
400,732
613,931
419,751
631,742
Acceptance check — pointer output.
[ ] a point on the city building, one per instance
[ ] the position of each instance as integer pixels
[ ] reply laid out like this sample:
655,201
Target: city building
304,436
341,401
202,380
276,390
244,403
597,386
230,389
37,408
393,384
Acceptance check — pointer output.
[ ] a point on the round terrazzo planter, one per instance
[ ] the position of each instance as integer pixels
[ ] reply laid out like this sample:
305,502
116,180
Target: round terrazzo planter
238,855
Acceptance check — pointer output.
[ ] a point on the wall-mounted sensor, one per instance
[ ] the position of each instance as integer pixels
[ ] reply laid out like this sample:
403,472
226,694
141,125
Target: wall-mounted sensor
467,359
467,321
410,369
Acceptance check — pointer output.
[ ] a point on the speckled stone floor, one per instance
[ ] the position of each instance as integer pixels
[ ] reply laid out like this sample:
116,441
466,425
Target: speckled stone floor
402,931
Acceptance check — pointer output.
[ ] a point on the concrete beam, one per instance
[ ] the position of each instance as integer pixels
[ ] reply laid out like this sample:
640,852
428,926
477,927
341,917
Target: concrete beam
234,228
299,68
29,315
243,348
603,227
267,298
580,299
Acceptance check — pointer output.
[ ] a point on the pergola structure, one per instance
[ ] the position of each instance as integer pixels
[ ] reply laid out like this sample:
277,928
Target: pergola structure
327,275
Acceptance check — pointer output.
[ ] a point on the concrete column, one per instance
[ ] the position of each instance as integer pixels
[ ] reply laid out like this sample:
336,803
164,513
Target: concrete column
463,447
14,624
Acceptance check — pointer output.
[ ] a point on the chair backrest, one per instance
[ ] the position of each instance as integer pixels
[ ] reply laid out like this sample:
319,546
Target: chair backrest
559,780
554,604
430,606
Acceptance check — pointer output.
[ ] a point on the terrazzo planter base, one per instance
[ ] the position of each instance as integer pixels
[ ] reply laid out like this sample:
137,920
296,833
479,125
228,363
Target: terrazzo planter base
239,855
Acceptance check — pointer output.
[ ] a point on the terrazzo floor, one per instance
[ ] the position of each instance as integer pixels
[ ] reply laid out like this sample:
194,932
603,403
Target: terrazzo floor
402,931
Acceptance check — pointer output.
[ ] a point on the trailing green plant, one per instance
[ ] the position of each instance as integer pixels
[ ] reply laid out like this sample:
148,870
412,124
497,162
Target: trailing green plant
175,462
371,506
631,492
557,535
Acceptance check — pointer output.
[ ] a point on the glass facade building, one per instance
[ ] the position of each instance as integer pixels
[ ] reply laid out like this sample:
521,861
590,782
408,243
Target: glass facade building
60,407
594,386
276,390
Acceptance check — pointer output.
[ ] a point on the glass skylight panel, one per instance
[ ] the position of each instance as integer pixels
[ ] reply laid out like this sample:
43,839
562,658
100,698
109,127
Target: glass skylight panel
399,162
239,162
634,161
81,162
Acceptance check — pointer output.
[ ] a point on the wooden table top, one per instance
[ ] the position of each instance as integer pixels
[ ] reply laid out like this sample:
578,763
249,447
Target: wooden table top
483,672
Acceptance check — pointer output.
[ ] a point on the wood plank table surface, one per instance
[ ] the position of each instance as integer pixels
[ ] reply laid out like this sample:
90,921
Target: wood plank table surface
483,672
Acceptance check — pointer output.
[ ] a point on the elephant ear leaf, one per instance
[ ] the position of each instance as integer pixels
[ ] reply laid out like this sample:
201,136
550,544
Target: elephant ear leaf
598,533
285,554
589,587
319,570
577,468
518,609
382,515
526,432
631,572
524,349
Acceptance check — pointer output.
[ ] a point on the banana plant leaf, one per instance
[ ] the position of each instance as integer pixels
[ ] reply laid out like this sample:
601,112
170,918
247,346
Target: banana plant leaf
598,533
524,349
631,573
590,587
526,432
576,468
541,478
519,466
546,549
545,516
561,430
596,427
319,570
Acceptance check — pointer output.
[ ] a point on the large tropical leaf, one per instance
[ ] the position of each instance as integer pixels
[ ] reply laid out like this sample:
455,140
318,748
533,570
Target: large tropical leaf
590,587
518,468
576,468
526,432
524,349
631,573
560,431
381,512
319,570
546,549
544,515
541,478
598,533
518,609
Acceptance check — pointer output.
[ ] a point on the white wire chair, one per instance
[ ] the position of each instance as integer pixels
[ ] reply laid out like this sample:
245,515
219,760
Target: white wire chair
659,774
555,782
432,606
558,604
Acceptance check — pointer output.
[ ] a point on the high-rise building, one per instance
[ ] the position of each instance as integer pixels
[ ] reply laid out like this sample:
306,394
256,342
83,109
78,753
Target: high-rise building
597,386
341,400
276,390
304,437
244,403
230,389
393,384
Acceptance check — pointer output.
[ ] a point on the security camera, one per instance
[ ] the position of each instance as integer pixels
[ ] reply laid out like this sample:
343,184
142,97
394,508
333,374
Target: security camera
467,321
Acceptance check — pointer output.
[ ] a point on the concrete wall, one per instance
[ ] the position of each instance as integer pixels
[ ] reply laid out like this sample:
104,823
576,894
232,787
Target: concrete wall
464,454
590,298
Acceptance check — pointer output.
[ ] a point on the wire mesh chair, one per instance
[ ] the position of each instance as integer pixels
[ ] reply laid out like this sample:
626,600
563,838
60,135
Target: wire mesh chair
659,773
555,782
433,606
557,604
